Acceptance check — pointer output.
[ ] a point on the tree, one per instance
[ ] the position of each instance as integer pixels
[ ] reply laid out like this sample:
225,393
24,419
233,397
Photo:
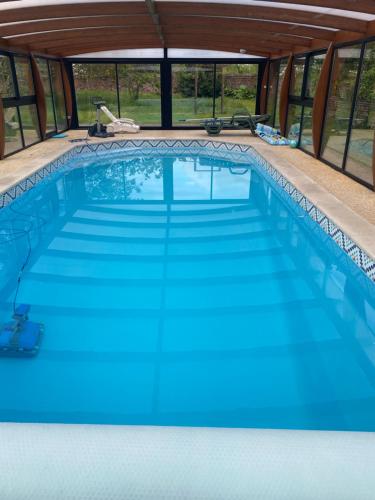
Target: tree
6,83
196,81
367,85
135,79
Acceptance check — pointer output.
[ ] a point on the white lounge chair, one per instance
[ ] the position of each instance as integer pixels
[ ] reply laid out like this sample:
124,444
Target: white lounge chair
119,125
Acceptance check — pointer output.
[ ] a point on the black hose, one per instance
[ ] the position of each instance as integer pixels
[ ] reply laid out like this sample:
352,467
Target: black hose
21,233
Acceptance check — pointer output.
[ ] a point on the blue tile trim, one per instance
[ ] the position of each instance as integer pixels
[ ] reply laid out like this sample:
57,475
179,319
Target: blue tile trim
232,151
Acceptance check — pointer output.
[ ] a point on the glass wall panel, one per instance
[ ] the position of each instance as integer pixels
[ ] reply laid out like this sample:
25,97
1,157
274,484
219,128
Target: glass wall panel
237,88
293,122
301,99
24,76
139,88
306,140
313,73
58,95
30,124
360,152
296,77
341,93
272,88
6,80
13,139
283,65
17,91
192,92
44,74
94,80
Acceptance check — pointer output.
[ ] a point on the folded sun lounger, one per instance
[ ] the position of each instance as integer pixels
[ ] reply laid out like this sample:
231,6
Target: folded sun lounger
119,125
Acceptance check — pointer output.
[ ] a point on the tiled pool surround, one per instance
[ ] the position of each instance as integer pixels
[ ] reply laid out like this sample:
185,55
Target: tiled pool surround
223,149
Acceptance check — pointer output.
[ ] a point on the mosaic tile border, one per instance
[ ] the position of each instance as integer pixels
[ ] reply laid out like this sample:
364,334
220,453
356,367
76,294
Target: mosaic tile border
291,193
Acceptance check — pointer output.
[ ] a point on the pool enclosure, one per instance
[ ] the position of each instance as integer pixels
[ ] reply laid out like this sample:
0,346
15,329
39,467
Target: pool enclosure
202,310
309,64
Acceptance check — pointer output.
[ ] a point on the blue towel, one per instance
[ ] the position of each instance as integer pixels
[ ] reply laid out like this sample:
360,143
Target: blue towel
59,136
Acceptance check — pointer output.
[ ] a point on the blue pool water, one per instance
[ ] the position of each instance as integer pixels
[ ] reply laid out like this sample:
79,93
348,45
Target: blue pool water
183,290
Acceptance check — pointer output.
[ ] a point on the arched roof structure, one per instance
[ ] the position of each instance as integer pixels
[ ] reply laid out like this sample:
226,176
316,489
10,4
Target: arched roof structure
265,28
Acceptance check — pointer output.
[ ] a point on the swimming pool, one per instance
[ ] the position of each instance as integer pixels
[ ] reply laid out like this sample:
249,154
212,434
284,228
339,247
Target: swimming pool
183,286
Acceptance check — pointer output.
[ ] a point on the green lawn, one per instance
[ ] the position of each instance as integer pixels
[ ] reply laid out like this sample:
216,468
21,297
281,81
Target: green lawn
183,107
146,110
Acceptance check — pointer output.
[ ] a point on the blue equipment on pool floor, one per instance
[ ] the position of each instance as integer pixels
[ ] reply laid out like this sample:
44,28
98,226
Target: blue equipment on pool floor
21,337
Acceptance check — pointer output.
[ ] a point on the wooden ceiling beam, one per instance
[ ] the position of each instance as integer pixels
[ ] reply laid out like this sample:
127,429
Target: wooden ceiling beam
79,34
7,45
280,30
73,10
83,49
188,8
114,44
371,28
254,25
120,42
277,38
73,22
141,20
92,47
44,40
97,21
139,40
236,43
262,13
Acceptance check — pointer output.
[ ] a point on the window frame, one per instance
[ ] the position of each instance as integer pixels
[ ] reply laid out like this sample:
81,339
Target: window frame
362,42
165,83
18,101
303,99
279,60
60,62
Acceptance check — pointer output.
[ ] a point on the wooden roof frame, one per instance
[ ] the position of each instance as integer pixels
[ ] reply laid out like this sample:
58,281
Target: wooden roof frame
47,40
267,29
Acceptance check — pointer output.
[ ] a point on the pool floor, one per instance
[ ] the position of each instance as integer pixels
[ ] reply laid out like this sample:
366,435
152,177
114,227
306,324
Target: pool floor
181,290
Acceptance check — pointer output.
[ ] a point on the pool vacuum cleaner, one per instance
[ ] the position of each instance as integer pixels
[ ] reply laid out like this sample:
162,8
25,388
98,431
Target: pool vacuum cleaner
21,338
98,129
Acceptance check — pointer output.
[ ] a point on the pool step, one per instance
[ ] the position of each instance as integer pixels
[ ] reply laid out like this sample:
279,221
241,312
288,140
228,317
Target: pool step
99,269
152,217
77,293
161,208
144,232
187,334
263,242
